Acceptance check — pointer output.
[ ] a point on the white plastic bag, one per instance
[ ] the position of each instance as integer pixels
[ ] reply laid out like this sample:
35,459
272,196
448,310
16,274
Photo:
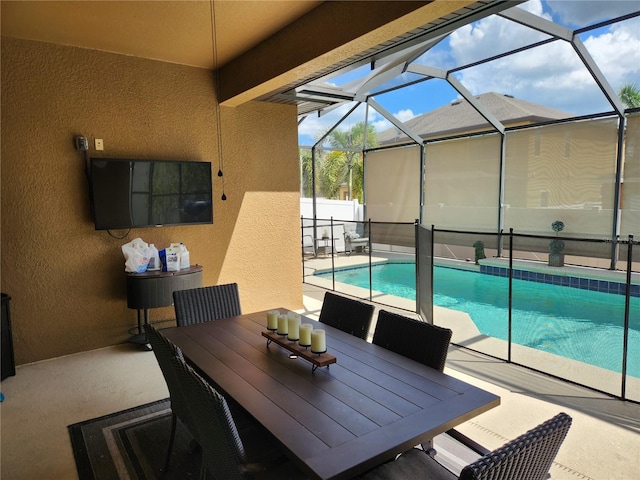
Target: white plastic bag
136,256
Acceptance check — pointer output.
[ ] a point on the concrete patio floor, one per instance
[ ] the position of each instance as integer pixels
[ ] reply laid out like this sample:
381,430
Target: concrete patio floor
45,397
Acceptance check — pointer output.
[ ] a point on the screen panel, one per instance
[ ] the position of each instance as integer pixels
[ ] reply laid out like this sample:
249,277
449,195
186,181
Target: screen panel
630,205
392,184
462,183
561,172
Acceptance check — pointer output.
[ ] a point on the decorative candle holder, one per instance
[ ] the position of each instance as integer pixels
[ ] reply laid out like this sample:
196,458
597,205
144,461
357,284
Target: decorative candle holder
319,359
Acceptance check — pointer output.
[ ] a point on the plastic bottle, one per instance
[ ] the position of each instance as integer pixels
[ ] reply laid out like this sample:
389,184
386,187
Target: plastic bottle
184,257
172,256
154,259
176,251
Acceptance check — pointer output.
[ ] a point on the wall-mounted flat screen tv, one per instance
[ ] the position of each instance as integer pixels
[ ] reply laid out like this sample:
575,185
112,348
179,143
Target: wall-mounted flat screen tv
128,193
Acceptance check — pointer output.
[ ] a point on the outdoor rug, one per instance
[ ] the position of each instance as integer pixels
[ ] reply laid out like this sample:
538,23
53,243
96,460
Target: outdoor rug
132,444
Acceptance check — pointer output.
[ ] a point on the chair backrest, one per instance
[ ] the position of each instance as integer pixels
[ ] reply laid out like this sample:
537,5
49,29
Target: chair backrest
528,457
165,350
199,305
355,227
346,314
415,339
223,453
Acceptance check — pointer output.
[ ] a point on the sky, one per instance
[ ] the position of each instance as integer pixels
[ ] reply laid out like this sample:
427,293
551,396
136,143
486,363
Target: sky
551,75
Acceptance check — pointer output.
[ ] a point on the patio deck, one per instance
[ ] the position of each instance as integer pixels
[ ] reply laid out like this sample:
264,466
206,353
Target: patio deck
44,397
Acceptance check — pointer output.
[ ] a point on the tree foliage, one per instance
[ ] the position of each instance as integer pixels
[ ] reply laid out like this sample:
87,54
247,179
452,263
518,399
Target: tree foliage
344,165
306,173
331,174
629,94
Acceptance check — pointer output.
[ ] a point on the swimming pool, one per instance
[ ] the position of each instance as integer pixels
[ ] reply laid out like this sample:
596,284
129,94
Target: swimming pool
579,324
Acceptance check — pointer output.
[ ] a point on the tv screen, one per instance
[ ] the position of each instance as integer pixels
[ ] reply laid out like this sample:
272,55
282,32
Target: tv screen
128,193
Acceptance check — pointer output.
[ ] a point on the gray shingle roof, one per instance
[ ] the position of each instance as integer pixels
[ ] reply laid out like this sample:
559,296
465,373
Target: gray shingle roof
459,116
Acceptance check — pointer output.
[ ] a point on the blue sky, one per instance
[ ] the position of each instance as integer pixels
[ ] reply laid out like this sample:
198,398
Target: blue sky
551,75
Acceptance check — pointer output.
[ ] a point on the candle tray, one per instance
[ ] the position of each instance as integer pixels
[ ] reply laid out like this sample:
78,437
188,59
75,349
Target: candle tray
317,360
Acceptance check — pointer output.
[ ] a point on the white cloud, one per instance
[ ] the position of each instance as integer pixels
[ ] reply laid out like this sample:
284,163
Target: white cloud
490,36
438,57
586,12
380,123
617,52
404,115
553,74
535,7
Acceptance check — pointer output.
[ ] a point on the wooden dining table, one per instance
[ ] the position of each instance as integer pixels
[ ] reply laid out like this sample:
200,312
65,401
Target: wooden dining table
336,421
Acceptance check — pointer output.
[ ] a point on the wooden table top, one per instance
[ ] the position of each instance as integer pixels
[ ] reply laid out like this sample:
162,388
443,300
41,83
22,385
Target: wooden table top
338,421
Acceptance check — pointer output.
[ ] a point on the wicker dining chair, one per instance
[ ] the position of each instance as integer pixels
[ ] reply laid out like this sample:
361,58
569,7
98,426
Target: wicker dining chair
165,350
224,452
417,340
346,314
528,457
199,305
414,339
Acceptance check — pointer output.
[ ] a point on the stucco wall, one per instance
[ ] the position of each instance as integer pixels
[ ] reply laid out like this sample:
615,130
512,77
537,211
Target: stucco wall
66,280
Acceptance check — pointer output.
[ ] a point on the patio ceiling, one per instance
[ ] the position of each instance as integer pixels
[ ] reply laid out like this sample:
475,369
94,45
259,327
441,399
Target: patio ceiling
170,31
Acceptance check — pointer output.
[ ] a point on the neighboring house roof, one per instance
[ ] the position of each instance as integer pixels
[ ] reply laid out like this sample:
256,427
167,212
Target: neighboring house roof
459,116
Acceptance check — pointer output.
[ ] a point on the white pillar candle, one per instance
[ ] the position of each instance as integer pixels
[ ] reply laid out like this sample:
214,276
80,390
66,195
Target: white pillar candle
272,319
293,315
283,324
294,328
305,334
318,341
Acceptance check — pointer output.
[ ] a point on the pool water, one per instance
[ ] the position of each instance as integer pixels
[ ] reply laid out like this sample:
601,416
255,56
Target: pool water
579,324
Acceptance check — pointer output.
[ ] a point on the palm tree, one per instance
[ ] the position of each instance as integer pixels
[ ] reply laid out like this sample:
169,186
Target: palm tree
344,164
306,174
629,94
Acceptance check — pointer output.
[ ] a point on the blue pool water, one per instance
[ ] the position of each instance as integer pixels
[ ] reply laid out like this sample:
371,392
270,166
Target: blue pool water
579,324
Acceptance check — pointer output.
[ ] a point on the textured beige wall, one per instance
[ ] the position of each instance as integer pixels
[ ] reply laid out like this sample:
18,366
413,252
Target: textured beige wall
66,280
